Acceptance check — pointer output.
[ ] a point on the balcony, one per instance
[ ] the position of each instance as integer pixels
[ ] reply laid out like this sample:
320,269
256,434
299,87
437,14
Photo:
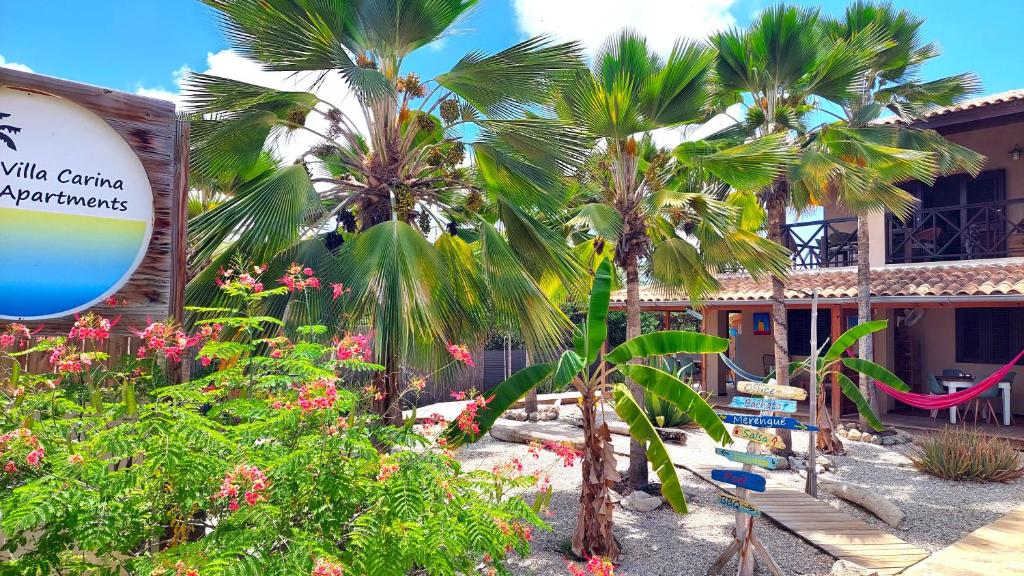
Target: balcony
822,243
969,231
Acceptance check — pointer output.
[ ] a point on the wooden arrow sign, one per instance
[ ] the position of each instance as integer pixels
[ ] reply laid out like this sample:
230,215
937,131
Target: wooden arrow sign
759,436
776,390
738,505
747,480
767,422
766,461
764,404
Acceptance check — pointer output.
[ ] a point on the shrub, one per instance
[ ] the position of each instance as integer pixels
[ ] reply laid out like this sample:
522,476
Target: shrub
960,454
269,464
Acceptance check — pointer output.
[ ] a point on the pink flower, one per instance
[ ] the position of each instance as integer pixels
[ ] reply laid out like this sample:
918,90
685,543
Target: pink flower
251,498
10,467
337,290
233,505
205,361
245,479
353,347
75,459
327,568
461,354
298,278
111,301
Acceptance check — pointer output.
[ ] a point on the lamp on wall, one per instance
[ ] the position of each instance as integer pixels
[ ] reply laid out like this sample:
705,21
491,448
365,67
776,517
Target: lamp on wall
1016,152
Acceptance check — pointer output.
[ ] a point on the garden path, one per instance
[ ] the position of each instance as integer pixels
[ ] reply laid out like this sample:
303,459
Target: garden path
831,530
992,550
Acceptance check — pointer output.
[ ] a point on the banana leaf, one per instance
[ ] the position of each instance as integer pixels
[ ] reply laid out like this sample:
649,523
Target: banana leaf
850,337
853,393
641,429
500,399
685,398
597,315
667,342
876,372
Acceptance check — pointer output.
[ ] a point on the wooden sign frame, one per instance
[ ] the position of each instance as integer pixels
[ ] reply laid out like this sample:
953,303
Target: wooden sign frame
156,289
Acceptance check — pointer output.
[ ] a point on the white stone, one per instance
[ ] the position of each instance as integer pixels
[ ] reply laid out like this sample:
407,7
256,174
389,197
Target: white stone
638,501
854,435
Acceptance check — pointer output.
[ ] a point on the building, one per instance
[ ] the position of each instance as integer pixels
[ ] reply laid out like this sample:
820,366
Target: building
950,280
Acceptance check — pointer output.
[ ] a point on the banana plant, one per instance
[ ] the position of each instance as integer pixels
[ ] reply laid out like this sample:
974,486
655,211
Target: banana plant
834,359
593,534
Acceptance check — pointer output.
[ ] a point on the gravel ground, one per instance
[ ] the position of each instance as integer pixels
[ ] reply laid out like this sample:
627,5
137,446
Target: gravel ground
939,512
659,543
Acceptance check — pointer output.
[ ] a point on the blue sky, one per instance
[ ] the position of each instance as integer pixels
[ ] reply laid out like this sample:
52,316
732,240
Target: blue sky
142,44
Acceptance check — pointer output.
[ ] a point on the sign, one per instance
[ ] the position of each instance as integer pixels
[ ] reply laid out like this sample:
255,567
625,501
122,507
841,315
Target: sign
759,436
766,461
765,404
776,390
740,478
738,505
767,422
92,201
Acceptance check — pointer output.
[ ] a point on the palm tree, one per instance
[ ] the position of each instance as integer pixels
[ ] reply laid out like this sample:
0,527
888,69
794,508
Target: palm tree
6,138
594,522
785,68
890,82
644,203
434,234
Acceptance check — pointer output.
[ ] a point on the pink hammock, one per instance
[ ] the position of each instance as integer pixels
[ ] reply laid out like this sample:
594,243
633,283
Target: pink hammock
943,401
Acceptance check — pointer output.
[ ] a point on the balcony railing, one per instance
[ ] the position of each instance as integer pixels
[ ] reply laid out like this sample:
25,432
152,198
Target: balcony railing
961,232
822,243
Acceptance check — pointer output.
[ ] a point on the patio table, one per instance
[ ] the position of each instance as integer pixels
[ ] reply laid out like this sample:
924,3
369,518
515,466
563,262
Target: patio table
954,384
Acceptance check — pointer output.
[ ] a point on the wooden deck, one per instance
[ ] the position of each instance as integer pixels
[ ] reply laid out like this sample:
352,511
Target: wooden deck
823,526
993,550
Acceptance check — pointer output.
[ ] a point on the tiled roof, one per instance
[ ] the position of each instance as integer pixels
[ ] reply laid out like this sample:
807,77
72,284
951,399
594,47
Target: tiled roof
981,102
1003,277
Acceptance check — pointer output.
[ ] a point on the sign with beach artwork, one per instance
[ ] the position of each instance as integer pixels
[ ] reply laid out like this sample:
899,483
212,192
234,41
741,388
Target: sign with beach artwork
76,207
763,404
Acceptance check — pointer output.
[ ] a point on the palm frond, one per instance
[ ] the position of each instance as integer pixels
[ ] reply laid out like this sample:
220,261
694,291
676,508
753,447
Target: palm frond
506,84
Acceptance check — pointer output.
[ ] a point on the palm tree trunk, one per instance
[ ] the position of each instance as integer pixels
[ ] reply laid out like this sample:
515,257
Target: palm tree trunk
637,454
865,348
594,521
388,389
780,330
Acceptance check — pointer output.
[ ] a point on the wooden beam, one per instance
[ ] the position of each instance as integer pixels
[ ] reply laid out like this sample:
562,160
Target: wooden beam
837,401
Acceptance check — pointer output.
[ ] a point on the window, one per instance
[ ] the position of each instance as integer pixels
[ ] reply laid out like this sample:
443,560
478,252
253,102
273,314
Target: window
799,331
989,335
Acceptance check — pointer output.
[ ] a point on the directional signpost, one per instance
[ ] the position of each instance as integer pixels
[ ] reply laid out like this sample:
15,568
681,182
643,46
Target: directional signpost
760,436
767,422
747,480
753,429
764,404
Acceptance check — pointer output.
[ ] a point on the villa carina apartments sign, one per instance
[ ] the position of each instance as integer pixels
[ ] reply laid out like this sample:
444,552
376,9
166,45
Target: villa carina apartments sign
91,188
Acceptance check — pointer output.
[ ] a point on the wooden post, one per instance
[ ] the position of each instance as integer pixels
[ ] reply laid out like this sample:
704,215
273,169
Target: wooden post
666,320
837,399
704,359
811,487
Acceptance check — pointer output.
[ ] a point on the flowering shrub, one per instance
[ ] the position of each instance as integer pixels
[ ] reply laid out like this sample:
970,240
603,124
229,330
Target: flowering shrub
595,566
461,354
269,462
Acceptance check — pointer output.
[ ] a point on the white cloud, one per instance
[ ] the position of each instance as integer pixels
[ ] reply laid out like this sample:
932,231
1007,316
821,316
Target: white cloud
593,21
229,64
13,65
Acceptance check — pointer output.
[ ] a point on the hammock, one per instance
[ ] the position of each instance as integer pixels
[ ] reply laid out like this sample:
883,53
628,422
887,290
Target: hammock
740,372
943,401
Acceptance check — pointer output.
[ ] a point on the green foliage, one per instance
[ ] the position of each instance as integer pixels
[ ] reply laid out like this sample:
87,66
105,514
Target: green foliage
961,454
571,369
169,479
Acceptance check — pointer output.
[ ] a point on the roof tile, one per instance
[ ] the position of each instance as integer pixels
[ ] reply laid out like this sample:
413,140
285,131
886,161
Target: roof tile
971,278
